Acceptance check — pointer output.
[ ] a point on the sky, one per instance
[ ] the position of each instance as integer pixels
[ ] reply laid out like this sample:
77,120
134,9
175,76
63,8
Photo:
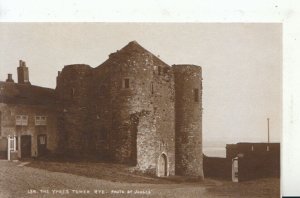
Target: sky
241,64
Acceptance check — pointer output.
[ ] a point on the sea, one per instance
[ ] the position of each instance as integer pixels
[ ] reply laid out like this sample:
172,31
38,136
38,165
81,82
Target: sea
214,151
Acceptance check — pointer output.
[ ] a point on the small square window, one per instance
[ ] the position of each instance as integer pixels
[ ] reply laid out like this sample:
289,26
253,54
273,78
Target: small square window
126,83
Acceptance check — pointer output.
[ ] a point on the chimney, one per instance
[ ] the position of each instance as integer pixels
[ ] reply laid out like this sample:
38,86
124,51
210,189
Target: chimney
58,77
23,73
9,78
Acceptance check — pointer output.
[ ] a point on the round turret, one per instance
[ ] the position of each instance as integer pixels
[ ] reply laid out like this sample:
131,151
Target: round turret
188,120
73,93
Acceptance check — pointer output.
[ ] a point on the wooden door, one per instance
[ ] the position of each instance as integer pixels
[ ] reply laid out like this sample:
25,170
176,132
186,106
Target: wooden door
42,145
25,146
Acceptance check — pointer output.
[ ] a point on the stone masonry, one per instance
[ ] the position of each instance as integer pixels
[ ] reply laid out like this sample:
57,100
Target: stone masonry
134,109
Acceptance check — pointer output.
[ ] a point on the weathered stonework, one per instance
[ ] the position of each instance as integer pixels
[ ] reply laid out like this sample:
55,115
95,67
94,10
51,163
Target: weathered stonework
188,130
124,111
132,109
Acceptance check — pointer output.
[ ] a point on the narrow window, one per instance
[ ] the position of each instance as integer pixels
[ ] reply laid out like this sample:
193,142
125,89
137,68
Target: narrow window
196,95
126,83
152,88
72,92
159,70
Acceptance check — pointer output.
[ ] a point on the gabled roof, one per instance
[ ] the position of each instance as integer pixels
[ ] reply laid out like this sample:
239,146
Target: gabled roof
14,93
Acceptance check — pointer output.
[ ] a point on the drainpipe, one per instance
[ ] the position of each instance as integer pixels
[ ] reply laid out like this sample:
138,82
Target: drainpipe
268,130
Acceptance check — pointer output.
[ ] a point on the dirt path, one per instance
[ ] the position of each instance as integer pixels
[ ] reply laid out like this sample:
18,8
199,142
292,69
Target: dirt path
22,181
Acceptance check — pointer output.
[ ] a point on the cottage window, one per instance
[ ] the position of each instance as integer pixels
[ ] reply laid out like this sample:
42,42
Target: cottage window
40,120
196,95
21,120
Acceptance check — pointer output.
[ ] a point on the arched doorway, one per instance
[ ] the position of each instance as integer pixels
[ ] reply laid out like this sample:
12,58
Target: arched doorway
162,166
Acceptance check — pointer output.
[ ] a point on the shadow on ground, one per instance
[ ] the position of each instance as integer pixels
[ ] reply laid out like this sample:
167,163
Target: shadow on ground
105,171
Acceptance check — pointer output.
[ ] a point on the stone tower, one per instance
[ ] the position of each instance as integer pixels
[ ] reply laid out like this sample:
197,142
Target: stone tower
188,120
23,73
73,94
133,109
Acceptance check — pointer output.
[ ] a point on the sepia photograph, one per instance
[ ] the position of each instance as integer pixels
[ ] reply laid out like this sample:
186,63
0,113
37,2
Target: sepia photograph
140,109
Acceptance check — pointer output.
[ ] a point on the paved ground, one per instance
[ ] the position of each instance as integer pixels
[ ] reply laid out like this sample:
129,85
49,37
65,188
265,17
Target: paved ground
17,180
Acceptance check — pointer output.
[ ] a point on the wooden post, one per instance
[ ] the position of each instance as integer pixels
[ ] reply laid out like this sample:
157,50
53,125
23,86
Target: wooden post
268,130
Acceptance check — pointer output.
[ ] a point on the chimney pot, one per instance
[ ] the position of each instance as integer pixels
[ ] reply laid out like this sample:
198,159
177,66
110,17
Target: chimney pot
9,78
23,73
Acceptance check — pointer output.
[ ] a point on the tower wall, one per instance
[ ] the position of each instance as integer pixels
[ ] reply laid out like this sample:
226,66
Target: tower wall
164,113
73,94
130,74
100,114
188,119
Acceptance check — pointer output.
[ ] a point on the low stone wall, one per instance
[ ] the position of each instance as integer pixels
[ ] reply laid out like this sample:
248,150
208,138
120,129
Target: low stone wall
254,167
217,167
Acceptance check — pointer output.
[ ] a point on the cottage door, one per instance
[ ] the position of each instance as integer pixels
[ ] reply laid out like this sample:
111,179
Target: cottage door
3,148
25,146
42,145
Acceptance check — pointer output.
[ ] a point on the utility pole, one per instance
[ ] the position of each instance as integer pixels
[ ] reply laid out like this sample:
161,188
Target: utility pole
268,130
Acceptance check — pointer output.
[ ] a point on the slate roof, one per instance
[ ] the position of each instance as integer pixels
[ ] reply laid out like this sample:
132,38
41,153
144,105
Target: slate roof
14,93
134,48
